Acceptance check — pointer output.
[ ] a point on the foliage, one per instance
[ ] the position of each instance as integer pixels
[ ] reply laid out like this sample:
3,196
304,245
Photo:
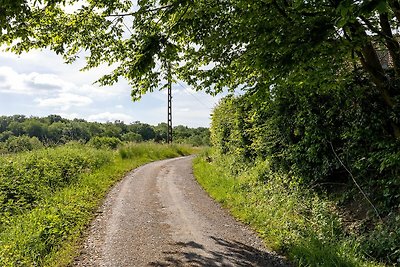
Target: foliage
195,137
27,179
71,181
314,134
21,143
289,217
55,130
383,242
152,152
214,45
104,142
132,137
325,138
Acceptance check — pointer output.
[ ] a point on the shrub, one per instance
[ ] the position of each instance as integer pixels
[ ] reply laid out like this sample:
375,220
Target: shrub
132,137
318,134
22,143
104,142
76,178
384,241
291,218
25,179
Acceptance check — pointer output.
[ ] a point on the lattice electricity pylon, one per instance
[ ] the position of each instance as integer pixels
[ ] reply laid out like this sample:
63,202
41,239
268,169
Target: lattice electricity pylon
169,124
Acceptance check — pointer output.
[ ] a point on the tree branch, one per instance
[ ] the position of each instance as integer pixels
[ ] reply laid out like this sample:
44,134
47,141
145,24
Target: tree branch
392,45
371,62
281,11
395,6
372,27
143,11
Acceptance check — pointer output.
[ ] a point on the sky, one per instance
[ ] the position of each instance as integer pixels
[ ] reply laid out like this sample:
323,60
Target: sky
39,83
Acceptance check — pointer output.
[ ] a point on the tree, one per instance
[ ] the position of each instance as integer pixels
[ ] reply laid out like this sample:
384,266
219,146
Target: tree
16,17
212,45
145,130
161,132
33,128
132,137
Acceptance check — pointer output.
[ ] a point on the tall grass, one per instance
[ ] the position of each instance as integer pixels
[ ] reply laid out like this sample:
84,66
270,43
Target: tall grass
290,218
71,182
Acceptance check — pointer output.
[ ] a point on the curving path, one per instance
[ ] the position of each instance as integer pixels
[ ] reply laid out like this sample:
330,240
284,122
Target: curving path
159,216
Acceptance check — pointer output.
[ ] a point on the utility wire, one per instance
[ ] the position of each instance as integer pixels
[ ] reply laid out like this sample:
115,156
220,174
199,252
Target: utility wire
355,182
193,95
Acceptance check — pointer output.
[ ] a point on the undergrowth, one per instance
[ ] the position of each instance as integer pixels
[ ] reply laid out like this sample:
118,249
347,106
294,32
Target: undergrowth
291,219
47,197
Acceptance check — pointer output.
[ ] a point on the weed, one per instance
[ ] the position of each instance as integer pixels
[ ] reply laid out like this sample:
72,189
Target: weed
290,218
48,197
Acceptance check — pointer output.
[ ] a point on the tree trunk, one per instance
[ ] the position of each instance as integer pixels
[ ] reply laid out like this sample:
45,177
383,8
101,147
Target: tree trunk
371,63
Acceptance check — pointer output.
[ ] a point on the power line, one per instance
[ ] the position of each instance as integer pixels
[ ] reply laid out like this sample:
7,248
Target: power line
193,95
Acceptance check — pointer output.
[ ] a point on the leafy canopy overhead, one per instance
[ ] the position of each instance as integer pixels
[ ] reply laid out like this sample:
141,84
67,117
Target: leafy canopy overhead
251,44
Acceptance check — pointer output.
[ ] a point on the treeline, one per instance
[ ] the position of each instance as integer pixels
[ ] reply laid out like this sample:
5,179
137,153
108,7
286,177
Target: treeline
331,139
19,132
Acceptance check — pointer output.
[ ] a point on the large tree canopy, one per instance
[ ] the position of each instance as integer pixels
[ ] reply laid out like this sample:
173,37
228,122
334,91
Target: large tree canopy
216,44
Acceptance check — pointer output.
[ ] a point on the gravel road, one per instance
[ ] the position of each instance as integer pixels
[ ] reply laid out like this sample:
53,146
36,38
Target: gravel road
159,216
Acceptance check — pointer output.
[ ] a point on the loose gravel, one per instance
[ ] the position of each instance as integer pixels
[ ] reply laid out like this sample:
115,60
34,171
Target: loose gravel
158,215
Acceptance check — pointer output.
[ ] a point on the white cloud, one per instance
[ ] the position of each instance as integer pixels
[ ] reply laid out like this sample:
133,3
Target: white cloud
39,83
44,79
102,92
27,84
108,116
32,83
64,101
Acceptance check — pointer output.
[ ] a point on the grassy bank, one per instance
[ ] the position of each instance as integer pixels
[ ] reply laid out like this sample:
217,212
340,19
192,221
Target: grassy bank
290,218
47,197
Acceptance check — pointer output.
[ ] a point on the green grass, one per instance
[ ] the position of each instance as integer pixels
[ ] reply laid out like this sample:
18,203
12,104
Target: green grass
290,218
48,231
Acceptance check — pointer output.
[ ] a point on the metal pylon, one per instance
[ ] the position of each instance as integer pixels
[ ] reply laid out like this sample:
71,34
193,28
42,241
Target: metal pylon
169,124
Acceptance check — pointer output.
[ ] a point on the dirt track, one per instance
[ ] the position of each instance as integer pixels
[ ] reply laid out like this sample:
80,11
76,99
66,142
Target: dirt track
159,216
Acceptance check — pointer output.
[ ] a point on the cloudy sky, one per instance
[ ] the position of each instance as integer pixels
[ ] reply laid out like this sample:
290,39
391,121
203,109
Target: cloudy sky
39,83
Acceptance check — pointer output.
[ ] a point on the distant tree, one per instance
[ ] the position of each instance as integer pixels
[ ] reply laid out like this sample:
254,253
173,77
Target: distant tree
32,127
55,132
112,130
132,137
95,129
54,118
104,142
22,143
160,132
4,121
75,130
16,128
145,130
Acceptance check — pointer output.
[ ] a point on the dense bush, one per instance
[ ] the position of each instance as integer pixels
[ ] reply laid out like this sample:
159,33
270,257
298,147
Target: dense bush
105,142
132,137
48,197
291,218
317,135
152,151
21,143
25,179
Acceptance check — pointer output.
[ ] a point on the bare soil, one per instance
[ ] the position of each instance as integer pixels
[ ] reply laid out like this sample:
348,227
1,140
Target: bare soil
158,215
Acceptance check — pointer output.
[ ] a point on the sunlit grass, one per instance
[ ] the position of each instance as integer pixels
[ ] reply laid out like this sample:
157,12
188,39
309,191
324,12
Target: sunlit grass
48,233
291,219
